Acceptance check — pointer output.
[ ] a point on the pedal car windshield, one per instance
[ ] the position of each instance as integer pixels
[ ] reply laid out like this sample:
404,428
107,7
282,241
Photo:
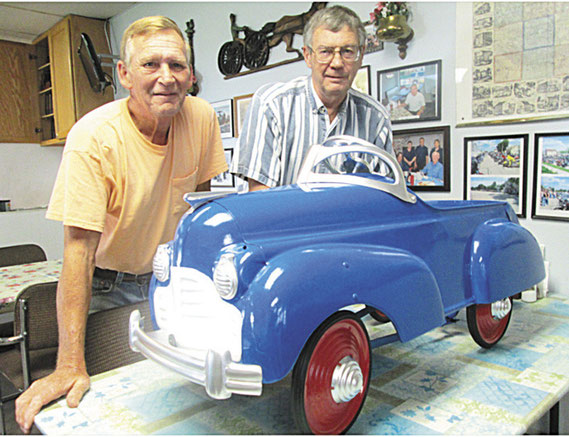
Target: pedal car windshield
350,160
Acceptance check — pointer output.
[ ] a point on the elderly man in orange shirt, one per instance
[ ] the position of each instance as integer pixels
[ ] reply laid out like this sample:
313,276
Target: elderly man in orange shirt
119,193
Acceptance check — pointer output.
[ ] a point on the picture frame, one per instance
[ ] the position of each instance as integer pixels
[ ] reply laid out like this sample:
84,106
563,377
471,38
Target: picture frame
373,44
226,179
495,168
395,90
224,111
240,106
508,73
415,176
551,176
362,81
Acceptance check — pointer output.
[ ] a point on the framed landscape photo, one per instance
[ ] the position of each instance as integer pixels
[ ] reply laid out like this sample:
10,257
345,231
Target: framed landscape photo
411,93
240,106
424,157
362,81
551,177
225,180
224,111
495,168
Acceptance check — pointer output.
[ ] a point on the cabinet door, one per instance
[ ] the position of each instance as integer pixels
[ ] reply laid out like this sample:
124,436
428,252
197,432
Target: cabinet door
85,98
19,114
63,91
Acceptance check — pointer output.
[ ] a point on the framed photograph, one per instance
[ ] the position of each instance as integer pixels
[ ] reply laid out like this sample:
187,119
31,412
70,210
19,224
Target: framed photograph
362,81
225,180
424,157
551,177
411,93
224,111
240,106
496,169
372,43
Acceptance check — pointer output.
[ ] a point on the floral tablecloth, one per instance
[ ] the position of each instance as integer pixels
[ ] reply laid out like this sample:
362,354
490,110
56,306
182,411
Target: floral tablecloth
14,279
438,383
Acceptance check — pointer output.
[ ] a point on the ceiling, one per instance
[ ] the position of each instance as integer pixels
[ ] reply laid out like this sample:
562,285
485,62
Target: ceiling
24,21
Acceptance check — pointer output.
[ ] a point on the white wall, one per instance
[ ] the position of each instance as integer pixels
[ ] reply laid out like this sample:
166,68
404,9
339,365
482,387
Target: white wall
434,24
28,173
31,226
26,178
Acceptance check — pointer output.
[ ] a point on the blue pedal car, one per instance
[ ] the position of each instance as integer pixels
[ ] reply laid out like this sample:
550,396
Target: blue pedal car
257,285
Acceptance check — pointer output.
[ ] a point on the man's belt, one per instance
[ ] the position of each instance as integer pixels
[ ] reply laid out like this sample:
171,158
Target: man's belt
111,275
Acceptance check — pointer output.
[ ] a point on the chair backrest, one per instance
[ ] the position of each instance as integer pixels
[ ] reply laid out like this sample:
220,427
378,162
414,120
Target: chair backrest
41,320
21,254
106,342
35,314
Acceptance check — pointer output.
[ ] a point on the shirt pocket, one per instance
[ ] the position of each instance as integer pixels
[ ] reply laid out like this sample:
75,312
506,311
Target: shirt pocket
181,186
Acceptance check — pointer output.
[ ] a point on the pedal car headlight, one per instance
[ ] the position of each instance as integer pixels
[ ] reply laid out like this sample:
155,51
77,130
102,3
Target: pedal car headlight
161,262
225,277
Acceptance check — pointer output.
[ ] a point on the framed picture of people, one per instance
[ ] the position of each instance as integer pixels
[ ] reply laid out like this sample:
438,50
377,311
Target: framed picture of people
411,93
496,169
551,177
424,157
373,44
224,112
224,180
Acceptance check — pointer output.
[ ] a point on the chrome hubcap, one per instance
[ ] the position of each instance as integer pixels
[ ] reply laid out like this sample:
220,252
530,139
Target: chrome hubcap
347,380
501,309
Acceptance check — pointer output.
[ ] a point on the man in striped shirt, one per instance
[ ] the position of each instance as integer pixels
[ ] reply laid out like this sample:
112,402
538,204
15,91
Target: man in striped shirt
285,119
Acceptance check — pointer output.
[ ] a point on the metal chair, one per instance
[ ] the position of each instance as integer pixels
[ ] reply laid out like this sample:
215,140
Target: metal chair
31,352
14,255
36,334
106,340
21,254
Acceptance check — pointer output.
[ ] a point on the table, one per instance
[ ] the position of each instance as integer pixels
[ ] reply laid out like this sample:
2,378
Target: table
14,279
438,383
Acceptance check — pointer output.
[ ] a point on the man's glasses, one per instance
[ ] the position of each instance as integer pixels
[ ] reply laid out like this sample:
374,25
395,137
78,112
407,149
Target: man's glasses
325,54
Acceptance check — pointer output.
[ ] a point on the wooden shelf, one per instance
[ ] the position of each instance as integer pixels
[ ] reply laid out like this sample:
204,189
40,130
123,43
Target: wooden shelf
48,89
53,142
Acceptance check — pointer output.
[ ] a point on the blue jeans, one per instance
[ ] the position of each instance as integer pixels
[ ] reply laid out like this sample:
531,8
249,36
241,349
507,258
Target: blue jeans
108,294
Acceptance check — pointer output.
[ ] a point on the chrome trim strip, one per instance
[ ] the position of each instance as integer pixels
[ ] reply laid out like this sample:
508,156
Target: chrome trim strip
211,369
202,197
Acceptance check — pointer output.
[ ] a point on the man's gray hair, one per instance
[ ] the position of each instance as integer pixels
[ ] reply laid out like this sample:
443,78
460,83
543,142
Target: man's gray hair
334,19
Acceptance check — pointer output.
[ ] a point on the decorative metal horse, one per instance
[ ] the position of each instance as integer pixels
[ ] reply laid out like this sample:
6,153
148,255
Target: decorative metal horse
253,50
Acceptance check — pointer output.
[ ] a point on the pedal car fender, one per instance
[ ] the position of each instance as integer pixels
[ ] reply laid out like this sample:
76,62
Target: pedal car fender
297,290
504,259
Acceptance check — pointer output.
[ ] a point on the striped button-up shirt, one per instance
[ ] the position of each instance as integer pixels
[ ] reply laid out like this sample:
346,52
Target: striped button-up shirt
285,119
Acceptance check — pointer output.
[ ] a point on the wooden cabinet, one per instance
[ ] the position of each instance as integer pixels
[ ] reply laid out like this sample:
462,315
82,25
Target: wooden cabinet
46,89
19,115
69,90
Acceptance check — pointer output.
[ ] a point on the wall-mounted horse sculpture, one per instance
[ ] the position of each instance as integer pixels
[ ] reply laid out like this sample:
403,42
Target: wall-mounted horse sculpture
253,49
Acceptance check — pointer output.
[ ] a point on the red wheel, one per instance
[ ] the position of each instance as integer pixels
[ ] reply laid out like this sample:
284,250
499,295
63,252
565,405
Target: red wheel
487,323
331,377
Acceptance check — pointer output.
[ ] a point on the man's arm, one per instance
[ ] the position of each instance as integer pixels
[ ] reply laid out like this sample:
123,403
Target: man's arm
256,185
206,186
73,297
